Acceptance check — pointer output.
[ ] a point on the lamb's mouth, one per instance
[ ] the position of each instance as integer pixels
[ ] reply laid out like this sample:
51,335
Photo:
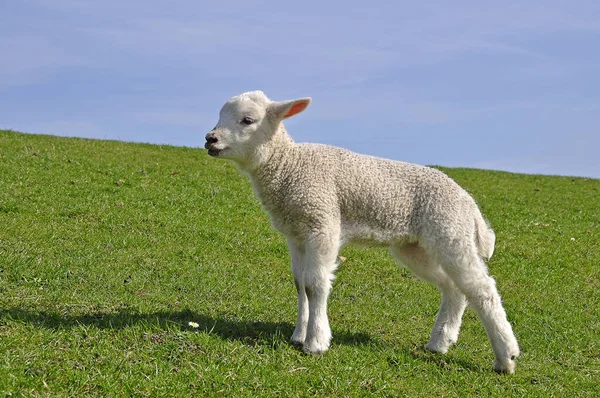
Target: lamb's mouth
212,151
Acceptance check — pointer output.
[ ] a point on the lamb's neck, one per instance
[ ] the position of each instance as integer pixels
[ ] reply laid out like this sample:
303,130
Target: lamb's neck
268,154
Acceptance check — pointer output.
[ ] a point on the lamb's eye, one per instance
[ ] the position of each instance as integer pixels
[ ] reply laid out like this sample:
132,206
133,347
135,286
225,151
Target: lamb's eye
247,121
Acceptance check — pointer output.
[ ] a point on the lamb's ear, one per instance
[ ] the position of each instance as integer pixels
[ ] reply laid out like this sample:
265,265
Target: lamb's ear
284,109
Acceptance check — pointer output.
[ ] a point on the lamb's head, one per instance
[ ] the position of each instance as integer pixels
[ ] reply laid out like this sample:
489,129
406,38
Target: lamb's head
247,122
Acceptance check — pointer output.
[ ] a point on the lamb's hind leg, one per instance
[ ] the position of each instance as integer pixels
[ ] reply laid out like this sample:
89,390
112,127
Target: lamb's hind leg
447,324
470,275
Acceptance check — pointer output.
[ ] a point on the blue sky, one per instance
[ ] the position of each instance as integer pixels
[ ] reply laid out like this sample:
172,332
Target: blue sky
501,85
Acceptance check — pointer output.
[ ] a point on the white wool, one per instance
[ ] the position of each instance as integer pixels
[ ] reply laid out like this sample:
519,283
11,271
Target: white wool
322,197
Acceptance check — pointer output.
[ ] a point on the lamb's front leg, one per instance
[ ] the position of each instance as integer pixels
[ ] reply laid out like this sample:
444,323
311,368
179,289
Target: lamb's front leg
299,335
321,253
296,253
318,333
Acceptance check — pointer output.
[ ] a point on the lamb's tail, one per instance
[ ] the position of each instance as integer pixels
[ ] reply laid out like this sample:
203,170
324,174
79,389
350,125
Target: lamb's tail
485,237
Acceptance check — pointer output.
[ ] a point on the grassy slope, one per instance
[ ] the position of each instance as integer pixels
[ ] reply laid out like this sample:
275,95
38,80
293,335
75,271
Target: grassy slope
108,250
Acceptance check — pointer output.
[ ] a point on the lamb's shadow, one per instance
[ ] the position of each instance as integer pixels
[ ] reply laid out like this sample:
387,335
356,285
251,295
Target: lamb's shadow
447,362
249,332
226,327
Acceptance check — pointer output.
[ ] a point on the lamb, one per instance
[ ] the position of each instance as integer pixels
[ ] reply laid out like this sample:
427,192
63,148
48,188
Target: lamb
322,197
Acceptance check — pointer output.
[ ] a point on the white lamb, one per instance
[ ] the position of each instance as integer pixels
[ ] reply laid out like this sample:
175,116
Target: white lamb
321,197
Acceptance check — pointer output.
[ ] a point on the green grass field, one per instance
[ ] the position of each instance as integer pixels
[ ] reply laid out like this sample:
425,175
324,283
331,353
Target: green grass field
108,250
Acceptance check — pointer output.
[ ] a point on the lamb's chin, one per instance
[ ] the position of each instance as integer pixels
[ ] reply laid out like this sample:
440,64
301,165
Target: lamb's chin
216,152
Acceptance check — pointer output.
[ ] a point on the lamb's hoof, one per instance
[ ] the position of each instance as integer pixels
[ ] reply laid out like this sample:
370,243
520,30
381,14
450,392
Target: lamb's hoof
298,338
315,348
440,348
506,366
316,353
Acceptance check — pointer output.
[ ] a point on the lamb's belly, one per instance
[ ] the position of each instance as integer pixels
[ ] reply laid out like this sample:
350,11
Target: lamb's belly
365,235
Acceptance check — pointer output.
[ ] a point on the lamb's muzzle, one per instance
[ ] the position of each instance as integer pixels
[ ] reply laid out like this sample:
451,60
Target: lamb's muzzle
211,140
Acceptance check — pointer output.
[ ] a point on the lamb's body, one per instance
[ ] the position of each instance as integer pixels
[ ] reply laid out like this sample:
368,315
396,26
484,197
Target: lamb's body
322,197
374,201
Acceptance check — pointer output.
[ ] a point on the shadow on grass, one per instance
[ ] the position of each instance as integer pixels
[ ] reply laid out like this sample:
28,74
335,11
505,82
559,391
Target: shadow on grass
408,356
249,332
442,361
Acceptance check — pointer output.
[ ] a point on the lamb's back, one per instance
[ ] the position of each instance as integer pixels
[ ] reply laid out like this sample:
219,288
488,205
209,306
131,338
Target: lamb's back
395,197
375,199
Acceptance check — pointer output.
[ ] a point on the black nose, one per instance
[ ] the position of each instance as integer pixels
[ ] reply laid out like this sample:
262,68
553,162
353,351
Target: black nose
211,139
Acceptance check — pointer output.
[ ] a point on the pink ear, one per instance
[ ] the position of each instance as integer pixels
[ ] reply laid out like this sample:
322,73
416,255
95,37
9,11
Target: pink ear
299,106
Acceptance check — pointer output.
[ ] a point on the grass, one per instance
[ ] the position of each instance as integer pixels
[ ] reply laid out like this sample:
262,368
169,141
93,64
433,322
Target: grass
109,249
